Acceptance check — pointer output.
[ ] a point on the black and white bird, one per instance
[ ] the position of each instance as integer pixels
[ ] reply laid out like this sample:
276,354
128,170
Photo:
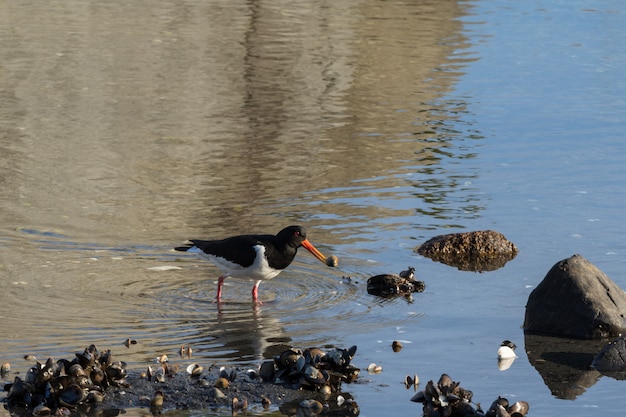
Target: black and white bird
257,257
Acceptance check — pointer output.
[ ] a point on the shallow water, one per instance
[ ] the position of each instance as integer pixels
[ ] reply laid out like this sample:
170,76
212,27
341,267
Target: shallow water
127,128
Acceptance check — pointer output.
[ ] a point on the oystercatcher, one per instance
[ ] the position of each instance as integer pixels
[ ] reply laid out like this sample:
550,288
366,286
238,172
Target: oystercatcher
257,257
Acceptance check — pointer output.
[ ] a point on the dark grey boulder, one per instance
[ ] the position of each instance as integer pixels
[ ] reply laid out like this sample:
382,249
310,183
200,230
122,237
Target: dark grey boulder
576,299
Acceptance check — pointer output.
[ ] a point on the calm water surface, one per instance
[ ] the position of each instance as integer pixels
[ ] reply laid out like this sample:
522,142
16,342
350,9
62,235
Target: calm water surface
126,128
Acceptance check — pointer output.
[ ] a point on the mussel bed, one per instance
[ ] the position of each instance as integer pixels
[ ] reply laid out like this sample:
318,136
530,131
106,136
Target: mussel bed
94,382
447,398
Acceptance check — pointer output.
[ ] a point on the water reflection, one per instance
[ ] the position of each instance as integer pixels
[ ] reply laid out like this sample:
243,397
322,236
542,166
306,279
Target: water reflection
128,128
564,364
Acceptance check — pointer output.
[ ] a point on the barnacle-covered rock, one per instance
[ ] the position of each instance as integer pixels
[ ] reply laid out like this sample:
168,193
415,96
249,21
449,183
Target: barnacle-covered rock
391,285
483,250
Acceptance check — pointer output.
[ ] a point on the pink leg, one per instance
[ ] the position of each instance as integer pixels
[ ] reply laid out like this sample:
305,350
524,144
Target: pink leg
220,283
255,292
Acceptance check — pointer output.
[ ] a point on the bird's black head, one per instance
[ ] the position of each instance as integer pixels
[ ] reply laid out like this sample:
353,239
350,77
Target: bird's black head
295,235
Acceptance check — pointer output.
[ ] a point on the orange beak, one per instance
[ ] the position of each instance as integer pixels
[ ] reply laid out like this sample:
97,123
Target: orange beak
308,246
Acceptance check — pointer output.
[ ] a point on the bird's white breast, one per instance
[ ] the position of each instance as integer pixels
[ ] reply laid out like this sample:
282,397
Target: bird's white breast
260,269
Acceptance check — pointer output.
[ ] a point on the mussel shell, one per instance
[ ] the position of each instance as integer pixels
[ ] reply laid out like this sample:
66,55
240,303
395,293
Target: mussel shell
31,374
93,350
71,396
20,393
340,357
313,355
464,408
106,358
419,397
493,409
445,381
229,374
432,391
47,371
325,389
77,370
62,381
41,411
85,359
195,370
465,394
265,402
115,372
411,381
396,346
5,369
350,373
300,363
159,374
335,357
97,376
281,375
409,273
520,407
374,369
267,370
351,352
289,357
313,406
314,375
95,397
157,399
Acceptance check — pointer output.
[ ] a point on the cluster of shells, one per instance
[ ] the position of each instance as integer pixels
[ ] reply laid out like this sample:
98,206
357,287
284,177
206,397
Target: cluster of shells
447,398
57,385
311,369
390,285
